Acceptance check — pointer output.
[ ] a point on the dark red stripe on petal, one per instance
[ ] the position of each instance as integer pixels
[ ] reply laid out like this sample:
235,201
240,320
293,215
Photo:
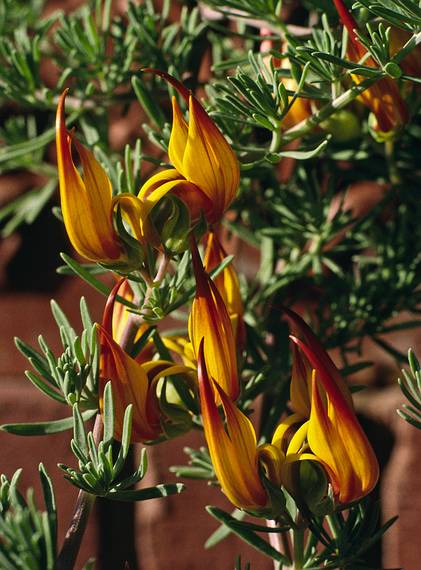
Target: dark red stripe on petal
184,92
107,318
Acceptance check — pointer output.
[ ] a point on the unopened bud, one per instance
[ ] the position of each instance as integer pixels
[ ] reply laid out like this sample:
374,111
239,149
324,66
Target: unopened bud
310,486
343,125
176,419
172,221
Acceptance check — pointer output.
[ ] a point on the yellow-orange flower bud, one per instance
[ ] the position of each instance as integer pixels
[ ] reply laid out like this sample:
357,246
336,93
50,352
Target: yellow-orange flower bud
135,383
227,284
232,449
86,203
383,97
334,435
207,171
209,319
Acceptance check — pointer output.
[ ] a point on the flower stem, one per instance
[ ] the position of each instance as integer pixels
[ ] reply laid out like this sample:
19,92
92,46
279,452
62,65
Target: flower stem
160,274
279,541
110,511
276,141
389,151
298,548
325,112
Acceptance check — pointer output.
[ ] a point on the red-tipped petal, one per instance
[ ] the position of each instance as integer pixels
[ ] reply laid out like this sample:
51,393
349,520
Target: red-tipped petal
318,352
184,92
107,317
233,452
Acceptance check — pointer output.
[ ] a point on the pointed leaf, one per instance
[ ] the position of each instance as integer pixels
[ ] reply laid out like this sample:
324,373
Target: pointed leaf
248,535
45,428
145,494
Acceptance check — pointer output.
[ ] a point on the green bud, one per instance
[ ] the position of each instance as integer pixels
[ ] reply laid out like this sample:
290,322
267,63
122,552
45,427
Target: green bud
177,419
172,221
311,483
343,125
134,249
311,487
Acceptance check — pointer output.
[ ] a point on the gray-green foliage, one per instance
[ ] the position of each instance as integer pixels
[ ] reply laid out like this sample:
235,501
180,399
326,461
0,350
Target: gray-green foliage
72,377
28,536
98,469
98,57
410,385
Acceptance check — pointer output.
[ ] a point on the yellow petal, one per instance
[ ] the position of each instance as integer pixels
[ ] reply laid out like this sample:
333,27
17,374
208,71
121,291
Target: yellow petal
297,443
178,138
171,180
202,155
209,161
85,203
209,319
233,452
227,281
282,434
300,383
337,439
312,345
272,459
183,347
136,213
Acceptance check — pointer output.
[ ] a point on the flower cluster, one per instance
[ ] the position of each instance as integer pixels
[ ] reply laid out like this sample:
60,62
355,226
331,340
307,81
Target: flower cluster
321,437
383,98
322,430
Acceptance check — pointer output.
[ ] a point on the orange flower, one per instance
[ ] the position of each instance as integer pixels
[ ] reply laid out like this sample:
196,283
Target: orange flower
120,316
209,319
334,435
383,97
135,383
232,449
86,203
227,284
411,63
207,171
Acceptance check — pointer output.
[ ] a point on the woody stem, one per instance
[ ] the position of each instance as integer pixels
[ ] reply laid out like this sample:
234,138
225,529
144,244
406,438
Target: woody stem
84,502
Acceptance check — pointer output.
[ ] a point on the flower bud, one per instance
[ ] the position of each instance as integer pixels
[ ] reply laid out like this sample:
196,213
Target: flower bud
86,203
344,126
202,157
172,221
